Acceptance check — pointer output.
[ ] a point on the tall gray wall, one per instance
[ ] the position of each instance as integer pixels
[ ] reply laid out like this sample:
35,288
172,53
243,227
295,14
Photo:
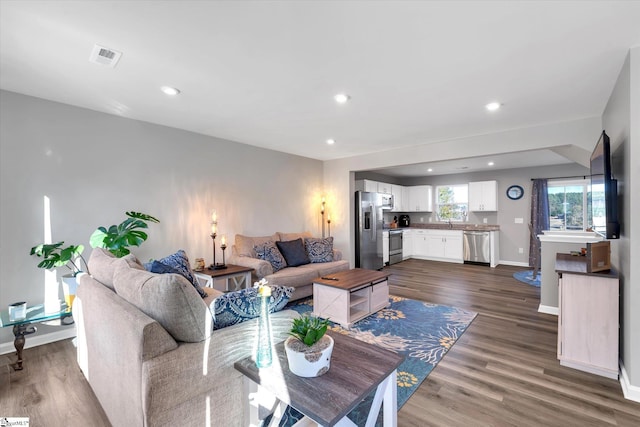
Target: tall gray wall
621,120
93,167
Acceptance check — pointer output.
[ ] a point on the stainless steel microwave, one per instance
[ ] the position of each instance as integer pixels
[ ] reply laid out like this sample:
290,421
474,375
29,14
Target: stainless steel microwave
387,201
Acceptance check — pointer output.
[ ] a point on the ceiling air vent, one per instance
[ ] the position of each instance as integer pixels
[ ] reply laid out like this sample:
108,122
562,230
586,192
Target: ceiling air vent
104,56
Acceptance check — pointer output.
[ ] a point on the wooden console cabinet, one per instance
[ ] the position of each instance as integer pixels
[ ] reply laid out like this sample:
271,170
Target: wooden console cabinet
588,317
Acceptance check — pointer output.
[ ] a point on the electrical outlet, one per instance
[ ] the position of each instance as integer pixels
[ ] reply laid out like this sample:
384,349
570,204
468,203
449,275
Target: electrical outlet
421,219
520,250
484,220
519,220
429,219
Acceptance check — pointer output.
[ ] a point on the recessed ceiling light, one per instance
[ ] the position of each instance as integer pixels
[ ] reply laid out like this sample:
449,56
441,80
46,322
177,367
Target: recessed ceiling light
342,98
490,163
493,106
430,170
171,91
331,141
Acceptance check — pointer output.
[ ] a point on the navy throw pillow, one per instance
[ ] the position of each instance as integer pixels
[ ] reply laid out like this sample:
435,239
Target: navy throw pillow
294,252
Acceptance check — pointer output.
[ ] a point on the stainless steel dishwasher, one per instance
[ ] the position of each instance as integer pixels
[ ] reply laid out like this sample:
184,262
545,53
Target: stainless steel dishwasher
476,247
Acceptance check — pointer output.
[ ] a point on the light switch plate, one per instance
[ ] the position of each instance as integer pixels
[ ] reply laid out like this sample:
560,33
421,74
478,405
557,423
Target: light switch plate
519,220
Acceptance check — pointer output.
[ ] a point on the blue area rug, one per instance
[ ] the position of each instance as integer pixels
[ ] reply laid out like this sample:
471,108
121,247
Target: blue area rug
420,331
527,277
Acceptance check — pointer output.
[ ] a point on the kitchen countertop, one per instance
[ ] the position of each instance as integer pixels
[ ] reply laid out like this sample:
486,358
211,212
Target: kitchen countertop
445,226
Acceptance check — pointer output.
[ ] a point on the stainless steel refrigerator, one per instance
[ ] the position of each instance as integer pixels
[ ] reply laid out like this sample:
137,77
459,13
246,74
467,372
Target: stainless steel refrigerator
369,224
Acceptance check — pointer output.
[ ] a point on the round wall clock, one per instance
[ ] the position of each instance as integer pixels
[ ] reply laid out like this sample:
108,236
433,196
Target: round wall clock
515,192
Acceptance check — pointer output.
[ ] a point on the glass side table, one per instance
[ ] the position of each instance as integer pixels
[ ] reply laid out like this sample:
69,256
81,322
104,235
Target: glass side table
35,314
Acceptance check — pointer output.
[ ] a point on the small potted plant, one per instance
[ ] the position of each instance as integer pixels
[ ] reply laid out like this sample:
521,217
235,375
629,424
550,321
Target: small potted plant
55,255
308,348
117,238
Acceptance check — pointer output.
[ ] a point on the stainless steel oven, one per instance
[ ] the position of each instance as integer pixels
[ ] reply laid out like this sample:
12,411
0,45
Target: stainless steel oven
395,246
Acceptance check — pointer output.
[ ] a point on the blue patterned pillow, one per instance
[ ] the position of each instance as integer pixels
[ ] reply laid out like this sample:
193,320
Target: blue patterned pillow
179,262
319,250
269,252
239,306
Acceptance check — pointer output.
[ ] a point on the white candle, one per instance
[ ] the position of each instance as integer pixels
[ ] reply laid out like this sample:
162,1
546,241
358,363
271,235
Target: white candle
224,240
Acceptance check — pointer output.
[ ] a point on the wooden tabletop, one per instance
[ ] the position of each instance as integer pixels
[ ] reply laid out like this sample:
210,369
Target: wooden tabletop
231,269
577,264
352,279
356,370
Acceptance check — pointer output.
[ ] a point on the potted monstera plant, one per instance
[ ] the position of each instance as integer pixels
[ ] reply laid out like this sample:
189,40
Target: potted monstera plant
118,238
308,348
57,255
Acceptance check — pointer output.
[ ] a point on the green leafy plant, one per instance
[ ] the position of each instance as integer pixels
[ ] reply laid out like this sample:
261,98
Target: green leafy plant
309,329
118,238
57,256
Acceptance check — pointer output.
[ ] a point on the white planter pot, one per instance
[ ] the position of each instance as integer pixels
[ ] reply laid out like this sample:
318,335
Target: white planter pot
312,361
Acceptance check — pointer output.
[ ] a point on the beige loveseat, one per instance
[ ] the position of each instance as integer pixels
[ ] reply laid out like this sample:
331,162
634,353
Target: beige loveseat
132,325
300,277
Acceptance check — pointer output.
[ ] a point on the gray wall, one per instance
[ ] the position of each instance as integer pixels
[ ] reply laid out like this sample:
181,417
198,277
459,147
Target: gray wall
621,120
95,166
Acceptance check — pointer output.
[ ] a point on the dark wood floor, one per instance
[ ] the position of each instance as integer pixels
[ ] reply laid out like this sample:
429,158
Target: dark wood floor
503,371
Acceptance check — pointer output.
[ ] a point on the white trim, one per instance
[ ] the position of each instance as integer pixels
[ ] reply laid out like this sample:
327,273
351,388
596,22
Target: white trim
631,392
34,341
515,263
548,309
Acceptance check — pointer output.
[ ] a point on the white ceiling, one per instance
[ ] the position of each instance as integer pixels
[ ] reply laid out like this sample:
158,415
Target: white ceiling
264,72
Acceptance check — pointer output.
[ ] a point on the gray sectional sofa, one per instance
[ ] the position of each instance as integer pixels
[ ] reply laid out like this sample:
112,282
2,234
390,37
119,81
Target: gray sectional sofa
145,345
299,277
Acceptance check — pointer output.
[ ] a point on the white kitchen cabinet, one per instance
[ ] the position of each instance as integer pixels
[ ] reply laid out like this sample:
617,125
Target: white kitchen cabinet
420,198
384,187
483,196
420,244
407,244
438,245
397,191
588,319
366,185
385,247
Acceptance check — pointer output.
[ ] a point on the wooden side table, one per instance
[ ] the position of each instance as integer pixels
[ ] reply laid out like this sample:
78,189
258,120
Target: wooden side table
357,368
25,326
239,277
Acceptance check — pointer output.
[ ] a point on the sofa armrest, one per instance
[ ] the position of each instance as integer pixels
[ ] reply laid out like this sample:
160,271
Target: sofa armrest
205,370
261,268
337,255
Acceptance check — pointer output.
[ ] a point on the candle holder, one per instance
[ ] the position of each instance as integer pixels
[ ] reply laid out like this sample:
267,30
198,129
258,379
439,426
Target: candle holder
214,228
223,246
322,214
215,265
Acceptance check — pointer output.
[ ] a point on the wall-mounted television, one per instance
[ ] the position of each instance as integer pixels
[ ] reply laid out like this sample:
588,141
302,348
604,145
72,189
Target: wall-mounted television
604,191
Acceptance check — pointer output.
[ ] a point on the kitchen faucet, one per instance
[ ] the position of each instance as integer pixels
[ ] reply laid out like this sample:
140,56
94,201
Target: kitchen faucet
450,224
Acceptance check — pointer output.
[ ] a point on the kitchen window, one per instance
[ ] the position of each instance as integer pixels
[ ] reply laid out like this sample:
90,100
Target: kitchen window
568,204
452,202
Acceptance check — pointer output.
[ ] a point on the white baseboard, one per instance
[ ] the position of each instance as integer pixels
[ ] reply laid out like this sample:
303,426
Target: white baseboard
548,309
515,263
34,341
631,392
